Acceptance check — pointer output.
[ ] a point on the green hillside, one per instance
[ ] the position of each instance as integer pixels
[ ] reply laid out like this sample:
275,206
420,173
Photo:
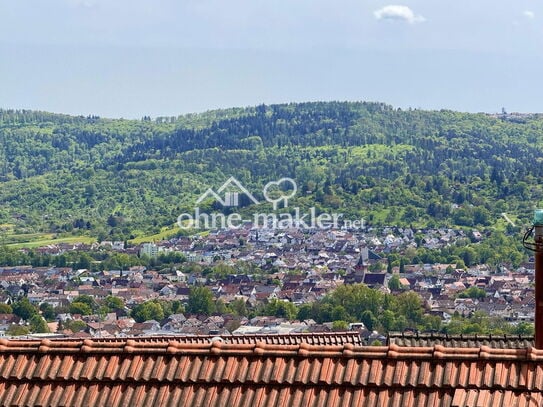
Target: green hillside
120,179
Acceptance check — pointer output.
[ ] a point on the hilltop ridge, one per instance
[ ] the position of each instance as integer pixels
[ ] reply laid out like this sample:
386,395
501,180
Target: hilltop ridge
124,178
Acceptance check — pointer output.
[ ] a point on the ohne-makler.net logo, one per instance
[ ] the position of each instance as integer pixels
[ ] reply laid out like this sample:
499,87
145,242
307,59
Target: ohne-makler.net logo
278,193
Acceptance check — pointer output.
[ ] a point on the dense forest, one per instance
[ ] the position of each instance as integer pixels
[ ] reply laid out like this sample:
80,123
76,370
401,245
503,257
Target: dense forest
119,179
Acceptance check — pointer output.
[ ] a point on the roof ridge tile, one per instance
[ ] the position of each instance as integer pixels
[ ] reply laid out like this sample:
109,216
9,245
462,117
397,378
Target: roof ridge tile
262,348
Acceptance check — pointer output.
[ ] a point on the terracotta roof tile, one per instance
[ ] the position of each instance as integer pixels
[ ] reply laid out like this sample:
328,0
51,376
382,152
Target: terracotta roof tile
320,338
475,397
460,341
171,372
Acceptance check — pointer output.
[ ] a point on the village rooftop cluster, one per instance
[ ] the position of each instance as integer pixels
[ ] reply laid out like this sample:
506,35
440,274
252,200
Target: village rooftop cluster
302,266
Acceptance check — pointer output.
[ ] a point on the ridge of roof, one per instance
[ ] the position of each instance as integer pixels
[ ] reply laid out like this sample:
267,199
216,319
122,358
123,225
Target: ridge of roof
315,338
460,340
262,349
438,335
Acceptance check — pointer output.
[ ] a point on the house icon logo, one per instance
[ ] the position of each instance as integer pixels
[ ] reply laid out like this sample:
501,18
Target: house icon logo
228,194
233,194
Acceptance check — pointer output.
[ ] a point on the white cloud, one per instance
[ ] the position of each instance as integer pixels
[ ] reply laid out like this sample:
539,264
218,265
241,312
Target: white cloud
529,14
396,12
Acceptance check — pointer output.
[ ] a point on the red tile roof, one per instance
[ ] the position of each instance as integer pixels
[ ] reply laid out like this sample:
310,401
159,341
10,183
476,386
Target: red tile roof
170,372
315,338
460,341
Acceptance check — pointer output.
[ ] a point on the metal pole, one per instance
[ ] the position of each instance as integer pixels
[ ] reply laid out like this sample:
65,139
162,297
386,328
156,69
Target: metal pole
538,237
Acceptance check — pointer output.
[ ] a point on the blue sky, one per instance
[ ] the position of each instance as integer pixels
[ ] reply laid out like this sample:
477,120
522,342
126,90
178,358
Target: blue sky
129,58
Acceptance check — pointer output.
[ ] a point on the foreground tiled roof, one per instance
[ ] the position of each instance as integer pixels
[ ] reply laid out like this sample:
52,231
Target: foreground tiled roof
460,341
169,372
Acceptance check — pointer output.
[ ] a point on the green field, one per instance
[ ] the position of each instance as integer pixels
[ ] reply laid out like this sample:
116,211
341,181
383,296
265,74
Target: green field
164,234
48,239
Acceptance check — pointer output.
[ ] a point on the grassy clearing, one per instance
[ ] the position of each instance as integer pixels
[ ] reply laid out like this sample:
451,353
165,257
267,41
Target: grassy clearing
165,233
379,215
49,241
501,223
15,238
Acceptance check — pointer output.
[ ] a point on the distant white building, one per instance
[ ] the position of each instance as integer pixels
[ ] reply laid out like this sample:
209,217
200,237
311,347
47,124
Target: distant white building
149,250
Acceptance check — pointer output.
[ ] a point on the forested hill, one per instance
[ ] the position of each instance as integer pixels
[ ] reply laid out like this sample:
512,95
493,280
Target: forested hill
121,178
